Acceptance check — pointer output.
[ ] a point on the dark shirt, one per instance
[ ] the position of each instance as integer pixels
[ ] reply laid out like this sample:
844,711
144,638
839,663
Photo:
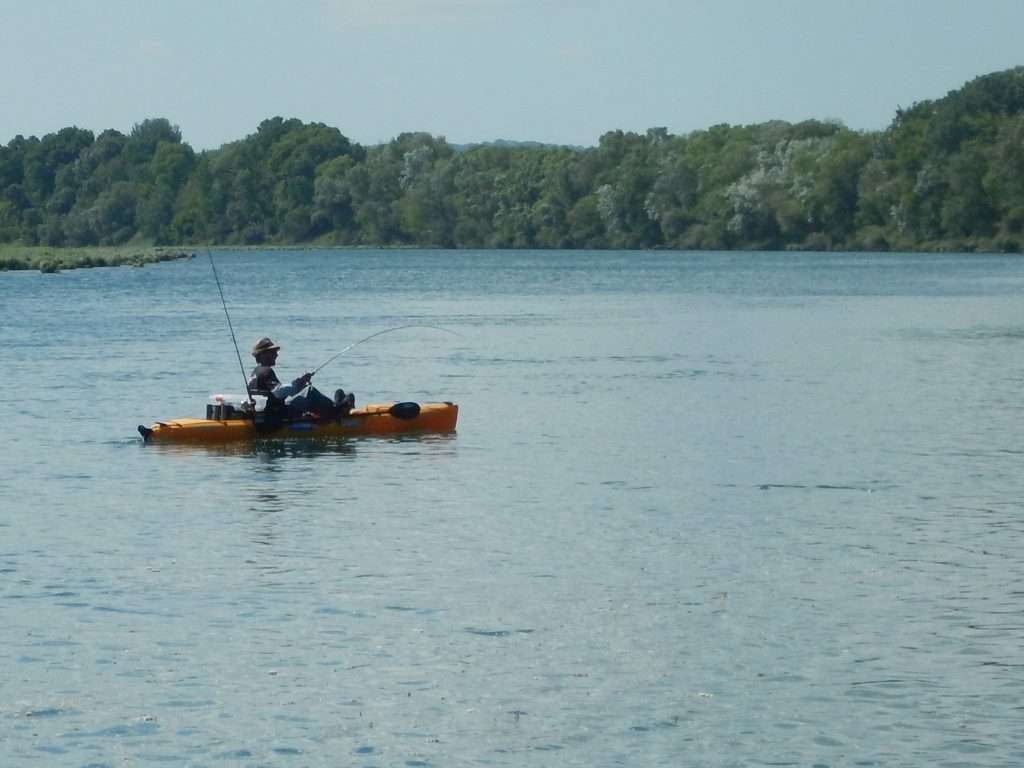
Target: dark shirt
263,380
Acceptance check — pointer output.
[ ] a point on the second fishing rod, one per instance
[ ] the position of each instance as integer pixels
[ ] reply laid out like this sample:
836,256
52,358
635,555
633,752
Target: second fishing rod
329,360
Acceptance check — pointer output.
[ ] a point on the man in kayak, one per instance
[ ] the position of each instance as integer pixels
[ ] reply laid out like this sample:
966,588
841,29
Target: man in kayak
300,397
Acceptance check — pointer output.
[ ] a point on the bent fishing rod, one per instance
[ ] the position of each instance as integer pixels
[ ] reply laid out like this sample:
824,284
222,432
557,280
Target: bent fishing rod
381,333
329,360
231,328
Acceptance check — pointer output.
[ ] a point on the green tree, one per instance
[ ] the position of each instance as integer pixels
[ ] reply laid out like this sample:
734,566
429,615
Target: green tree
967,210
832,201
112,216
43,159
146,137
332,200
1004,182
168,172
671,203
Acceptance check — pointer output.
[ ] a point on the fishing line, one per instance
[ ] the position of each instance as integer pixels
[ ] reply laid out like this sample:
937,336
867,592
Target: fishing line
231,328
381,333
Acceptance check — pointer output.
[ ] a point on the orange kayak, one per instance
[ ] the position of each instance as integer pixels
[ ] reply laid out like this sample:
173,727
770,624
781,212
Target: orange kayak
377,419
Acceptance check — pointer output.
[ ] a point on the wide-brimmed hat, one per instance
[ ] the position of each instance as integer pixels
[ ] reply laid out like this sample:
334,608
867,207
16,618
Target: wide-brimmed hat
263,345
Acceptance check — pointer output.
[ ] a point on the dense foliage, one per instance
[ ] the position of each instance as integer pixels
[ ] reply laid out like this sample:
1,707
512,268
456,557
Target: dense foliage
946,174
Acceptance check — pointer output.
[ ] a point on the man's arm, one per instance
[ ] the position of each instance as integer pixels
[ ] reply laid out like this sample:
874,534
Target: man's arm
281,391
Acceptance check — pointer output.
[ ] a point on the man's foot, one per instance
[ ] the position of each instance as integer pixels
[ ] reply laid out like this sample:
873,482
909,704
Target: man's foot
343,403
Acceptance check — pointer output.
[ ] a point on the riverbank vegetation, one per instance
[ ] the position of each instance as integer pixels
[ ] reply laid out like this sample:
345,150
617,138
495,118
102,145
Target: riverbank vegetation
947,174
50,259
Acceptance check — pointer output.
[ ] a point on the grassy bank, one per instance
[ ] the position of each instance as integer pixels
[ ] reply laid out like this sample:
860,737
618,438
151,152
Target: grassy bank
57,259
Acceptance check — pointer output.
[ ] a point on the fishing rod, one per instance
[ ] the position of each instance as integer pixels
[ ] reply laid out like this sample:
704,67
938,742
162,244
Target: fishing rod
231,328
381,333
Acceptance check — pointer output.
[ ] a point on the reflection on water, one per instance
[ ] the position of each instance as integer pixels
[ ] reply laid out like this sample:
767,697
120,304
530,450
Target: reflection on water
267,451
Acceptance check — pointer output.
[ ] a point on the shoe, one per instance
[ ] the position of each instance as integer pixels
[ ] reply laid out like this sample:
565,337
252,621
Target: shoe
343,403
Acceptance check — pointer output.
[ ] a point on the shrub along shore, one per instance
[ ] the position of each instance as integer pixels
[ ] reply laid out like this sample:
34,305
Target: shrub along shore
47,259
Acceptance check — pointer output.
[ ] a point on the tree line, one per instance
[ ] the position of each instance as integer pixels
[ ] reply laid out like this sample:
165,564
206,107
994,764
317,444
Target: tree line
947,174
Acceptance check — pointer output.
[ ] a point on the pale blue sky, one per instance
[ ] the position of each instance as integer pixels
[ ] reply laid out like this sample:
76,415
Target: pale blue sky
476,70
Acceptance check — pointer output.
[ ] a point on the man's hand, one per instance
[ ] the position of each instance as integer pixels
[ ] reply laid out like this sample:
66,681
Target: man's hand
303,380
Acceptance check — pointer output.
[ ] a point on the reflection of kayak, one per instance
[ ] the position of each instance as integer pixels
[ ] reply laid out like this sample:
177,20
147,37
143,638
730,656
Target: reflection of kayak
379,419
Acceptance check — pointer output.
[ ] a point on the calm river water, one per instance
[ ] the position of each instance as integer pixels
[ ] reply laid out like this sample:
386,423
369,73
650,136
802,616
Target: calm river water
701,509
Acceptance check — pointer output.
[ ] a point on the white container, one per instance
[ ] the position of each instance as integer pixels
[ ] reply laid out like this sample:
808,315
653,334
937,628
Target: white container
239,403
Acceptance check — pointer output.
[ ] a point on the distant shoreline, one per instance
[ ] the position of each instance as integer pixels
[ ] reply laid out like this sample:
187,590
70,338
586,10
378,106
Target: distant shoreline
54,260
